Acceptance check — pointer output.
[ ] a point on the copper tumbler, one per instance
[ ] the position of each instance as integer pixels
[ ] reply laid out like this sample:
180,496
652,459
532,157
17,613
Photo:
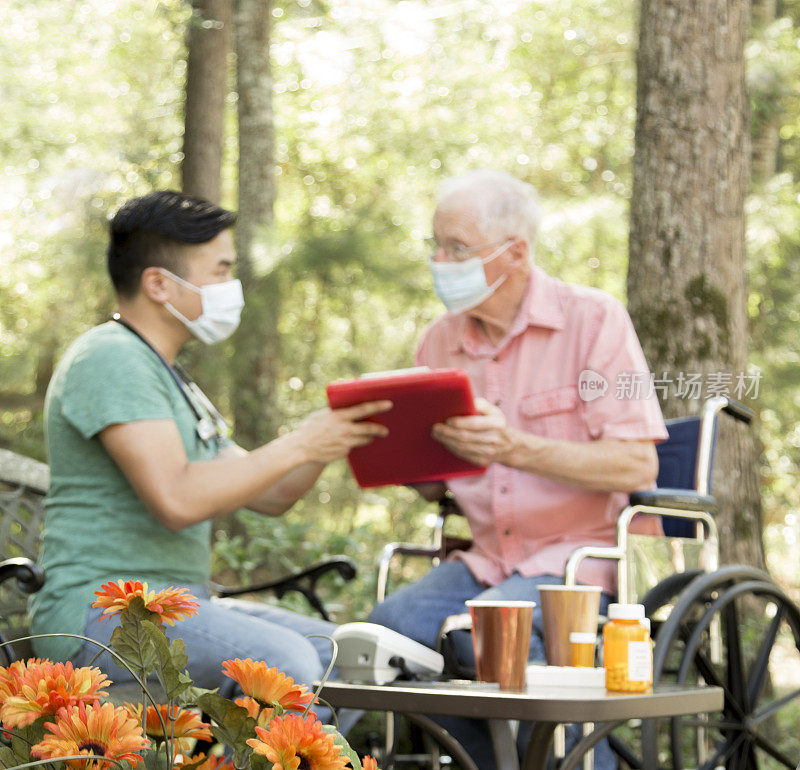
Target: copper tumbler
501,635
566,609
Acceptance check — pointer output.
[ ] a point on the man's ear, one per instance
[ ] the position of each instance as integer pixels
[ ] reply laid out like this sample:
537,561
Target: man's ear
519,253
154,285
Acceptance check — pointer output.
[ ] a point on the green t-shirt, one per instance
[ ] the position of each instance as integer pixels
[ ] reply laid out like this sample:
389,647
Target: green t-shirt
96,529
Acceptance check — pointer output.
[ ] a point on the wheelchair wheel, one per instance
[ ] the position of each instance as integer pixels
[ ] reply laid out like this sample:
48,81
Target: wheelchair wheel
416,742
664,594
737,630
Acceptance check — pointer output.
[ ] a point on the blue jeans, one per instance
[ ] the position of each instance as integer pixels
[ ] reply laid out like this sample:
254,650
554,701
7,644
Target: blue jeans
224,629
418,610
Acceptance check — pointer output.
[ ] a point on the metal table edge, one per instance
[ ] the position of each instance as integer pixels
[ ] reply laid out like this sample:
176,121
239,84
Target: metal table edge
540,704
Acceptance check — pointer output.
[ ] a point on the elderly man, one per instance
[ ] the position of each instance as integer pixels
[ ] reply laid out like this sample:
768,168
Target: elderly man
559,466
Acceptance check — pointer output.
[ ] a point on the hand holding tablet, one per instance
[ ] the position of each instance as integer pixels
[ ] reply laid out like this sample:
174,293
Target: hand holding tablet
421,398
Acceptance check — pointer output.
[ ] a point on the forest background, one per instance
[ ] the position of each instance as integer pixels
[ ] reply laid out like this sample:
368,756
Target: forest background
373,103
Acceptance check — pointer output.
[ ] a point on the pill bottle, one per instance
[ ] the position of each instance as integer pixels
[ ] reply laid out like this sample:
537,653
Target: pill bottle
582,648
627,649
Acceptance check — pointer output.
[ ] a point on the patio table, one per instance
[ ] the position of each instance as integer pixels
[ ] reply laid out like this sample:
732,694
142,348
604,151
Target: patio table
546,706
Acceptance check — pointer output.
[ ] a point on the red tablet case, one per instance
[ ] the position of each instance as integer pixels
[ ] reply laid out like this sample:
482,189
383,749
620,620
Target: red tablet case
409,454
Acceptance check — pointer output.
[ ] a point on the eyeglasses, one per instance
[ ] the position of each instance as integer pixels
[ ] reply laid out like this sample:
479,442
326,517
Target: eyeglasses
457,252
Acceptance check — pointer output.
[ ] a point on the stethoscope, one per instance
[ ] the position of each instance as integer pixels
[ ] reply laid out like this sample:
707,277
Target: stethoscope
211,425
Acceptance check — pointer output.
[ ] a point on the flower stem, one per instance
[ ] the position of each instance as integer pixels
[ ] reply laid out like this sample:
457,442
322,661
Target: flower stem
334,653
40,762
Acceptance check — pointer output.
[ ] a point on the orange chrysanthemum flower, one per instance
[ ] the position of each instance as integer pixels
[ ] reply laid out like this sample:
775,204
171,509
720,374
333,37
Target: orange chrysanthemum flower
168,605
102,730
176,604
10,677
182,725
268,686
291,742
38,687
369,763
210,762
262,714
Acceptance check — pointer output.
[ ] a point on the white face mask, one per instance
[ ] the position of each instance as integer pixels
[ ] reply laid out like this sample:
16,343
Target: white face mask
221,308
462,285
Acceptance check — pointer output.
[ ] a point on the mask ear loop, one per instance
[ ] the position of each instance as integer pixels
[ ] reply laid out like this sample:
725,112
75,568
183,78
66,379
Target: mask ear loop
181,281
169,306
499,282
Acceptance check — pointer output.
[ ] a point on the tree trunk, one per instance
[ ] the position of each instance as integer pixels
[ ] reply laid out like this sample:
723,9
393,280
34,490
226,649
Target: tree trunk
257,344
766,132
209,43
763,11
686,275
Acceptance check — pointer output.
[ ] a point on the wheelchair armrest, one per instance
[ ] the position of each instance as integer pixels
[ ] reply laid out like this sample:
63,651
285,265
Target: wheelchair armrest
678,499
304,582
739,411
29,575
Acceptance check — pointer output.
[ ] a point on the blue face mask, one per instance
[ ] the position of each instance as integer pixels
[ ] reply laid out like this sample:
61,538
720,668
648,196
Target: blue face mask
462,285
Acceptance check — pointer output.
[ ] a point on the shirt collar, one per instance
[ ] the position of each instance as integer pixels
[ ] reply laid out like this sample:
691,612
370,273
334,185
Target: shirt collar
541,306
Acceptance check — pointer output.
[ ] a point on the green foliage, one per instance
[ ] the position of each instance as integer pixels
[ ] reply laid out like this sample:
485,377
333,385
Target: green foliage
134,639
375,102
91,94
355,761
233,725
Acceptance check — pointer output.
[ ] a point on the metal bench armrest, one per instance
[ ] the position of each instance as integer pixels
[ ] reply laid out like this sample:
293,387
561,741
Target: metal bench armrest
28,574
304,582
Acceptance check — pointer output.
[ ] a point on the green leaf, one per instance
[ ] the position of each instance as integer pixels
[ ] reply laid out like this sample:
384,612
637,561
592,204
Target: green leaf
134,640
259,762
155,759
171,660
136,609
340,741
7,757
233,725
22,738
191,695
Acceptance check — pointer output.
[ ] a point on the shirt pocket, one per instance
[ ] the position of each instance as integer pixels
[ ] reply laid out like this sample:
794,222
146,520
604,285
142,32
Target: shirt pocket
554,413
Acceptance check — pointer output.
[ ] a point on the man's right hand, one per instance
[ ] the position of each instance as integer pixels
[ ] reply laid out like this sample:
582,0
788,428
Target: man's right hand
329,434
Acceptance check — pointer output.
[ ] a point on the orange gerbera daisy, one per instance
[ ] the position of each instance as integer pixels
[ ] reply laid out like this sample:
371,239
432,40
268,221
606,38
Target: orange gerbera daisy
10,677
268,686
102,730
182,725
169,605
262,714
39,687
292,742
369,763
176,604
210,762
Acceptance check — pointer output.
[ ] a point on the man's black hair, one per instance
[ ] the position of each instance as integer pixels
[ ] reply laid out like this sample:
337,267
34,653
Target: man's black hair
148,231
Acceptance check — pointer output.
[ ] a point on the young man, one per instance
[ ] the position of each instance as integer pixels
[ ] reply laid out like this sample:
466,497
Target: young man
141,463
559,467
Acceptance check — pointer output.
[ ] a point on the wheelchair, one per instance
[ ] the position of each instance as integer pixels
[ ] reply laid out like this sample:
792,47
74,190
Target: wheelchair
729,626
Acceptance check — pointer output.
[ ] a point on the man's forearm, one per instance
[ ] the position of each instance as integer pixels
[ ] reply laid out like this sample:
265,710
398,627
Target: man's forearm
207,489
606,465
286,491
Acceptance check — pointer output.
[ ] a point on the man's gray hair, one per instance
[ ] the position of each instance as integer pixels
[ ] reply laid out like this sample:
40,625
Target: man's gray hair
506,205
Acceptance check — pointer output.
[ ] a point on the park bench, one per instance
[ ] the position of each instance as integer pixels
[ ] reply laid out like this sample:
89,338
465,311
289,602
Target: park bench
23,485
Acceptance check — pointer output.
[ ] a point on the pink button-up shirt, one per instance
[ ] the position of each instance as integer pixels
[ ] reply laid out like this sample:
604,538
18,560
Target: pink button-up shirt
562,334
